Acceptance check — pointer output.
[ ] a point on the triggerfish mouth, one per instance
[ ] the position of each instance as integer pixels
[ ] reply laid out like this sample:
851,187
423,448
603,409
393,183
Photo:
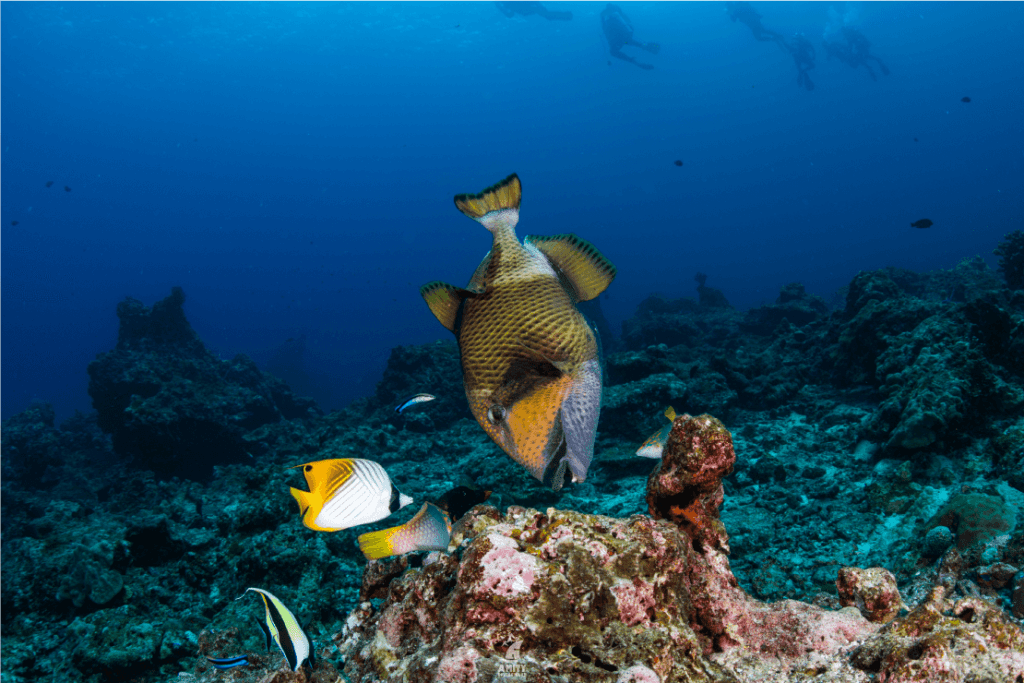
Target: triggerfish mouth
281,626
529,358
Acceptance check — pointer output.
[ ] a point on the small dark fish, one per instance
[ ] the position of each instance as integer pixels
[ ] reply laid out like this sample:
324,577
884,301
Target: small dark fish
915,139
413,400
14,222
229,662
678,162
462,498
49,183
922,224
67,189
965,99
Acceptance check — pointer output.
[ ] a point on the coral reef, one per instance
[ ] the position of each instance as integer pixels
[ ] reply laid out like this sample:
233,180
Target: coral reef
173,405
886,434
1011,259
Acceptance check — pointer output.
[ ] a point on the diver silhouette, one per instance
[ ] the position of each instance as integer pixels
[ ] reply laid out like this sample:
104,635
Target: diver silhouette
619,32
745,13
510,9
851,47
803,54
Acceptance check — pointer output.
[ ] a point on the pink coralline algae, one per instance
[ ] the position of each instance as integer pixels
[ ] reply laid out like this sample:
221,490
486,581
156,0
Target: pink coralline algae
564,597
872,591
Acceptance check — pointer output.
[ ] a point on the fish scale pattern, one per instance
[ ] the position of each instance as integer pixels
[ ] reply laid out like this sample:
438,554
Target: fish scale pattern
520,323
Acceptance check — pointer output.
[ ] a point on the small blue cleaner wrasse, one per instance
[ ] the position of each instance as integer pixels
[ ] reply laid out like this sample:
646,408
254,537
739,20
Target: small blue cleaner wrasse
430,529
654,445
281,626
346,492
529,359
413,400
224,663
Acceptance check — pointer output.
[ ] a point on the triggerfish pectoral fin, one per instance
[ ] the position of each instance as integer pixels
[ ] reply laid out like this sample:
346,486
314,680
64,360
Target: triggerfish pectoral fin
579,418
430,529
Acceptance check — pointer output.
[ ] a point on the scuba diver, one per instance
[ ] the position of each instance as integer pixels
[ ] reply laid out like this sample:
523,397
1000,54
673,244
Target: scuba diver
803,54
745,13
510,9
853,49
619,32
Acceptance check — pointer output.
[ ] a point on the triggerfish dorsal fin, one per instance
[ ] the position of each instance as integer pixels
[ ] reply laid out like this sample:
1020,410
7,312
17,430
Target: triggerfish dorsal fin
503,195
430,529
295,645
444,301
587,271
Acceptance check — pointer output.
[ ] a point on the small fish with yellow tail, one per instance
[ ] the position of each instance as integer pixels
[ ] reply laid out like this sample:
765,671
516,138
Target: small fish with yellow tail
529,357
346,492
281,626
430,529
655,444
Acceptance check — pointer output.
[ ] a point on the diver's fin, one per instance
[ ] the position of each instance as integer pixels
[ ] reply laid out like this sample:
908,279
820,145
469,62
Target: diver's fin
503,195
580,262
670,413
579,414
444,301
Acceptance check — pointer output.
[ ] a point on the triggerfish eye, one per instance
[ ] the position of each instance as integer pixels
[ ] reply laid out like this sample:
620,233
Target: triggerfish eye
496,414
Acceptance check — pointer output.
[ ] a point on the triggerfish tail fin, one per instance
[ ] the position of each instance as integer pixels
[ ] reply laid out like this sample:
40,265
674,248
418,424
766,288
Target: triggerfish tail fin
580,263
225,663
430,529
580,411
282,624
504,195
445,302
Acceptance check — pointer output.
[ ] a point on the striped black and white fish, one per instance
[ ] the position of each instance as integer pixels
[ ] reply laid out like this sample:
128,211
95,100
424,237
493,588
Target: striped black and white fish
281,626
346,492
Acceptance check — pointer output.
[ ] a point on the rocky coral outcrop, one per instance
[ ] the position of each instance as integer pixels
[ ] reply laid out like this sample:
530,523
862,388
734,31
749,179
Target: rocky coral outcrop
174,406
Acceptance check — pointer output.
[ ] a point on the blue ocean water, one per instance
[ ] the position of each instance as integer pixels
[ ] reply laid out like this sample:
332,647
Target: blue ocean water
292,165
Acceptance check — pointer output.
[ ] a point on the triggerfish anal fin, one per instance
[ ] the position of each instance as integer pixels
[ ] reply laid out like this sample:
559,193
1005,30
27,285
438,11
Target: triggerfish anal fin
346,492
504,195
284,627
588,272
430,529
444,301
225,663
